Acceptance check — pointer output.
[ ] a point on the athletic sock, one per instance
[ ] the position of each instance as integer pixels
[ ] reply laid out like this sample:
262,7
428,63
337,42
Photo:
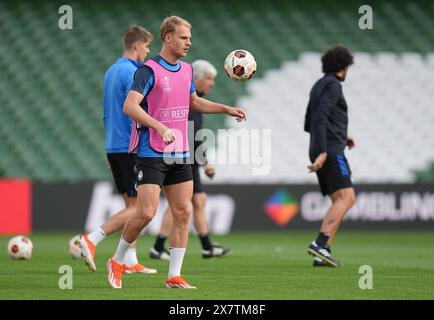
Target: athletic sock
130,258
322,239
97,236
159,242
176,258
123,246
206,243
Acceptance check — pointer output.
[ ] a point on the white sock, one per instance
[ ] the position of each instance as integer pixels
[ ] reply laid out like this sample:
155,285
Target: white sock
97,236
121,251
176,258
131,257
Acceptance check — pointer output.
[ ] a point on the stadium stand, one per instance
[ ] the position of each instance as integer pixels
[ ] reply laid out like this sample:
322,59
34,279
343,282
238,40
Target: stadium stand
50,87
391,120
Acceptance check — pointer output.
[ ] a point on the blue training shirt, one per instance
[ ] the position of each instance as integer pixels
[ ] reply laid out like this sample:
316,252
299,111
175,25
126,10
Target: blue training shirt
143,83
117,83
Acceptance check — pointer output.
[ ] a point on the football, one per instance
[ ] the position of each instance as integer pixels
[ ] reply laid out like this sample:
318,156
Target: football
20,247
240,65
74,247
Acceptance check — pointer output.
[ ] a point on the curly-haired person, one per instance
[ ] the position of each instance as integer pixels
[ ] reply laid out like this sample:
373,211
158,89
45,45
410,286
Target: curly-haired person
327,122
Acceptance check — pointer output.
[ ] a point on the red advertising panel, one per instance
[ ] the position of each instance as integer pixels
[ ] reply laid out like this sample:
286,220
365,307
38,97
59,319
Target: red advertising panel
15,207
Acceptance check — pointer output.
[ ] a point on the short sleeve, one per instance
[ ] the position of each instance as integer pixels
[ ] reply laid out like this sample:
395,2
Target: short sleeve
143,80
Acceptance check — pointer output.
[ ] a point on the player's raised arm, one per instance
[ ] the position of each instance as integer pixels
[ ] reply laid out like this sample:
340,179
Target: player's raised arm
206,106
133,110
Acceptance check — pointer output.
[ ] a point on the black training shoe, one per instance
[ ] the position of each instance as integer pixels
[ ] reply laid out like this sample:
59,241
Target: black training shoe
323,254
216,251
317,262
159,255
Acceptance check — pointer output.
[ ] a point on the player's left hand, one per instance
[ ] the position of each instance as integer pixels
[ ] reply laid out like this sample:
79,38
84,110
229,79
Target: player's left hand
209,170
237,112
351,143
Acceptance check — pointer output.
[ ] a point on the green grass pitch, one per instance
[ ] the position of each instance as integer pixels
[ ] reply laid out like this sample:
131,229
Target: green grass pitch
262,266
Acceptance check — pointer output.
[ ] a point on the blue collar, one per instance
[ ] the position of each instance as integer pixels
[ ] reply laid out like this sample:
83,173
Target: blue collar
134,62
167,65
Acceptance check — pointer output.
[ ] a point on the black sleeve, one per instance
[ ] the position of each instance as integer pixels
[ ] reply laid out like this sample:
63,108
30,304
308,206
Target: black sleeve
320,115
143,80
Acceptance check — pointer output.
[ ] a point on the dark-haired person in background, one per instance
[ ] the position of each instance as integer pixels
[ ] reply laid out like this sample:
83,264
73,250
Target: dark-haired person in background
327,122
117,83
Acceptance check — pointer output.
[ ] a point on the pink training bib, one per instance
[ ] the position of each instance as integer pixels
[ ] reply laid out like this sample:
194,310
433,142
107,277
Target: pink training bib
169,103
134,138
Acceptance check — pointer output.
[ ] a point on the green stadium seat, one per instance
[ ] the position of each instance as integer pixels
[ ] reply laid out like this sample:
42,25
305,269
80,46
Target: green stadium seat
51,84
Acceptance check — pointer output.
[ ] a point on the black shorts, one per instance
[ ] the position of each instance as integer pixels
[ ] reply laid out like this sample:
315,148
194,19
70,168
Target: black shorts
335,174
197,184
123,169
156,171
